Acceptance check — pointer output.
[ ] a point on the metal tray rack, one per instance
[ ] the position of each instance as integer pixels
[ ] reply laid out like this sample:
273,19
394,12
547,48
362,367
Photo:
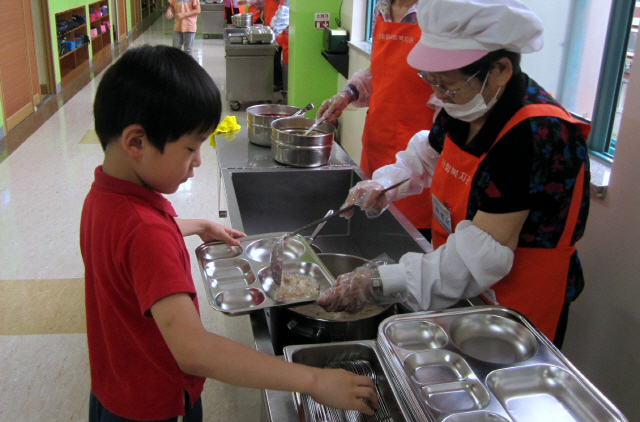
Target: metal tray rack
327,355
485,364
236,278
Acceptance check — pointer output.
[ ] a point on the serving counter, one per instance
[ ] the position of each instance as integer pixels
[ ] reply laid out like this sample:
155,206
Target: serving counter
264,196
248,171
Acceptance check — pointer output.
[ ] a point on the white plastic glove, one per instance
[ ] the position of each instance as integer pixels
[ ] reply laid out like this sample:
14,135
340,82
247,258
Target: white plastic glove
351,292
332,108
366,195
358,91
363,83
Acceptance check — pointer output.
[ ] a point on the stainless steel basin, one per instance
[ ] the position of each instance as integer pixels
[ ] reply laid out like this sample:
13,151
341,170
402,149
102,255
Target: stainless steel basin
275,199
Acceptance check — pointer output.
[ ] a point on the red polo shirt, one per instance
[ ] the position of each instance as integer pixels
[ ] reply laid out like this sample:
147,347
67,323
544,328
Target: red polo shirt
134,255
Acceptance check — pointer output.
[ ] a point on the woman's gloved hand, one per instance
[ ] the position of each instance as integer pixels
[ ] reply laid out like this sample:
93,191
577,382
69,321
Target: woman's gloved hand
366,195
351,292
333,107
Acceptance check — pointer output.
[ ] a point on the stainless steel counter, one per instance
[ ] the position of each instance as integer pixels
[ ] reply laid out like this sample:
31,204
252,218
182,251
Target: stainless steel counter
213,22
237,156
249,71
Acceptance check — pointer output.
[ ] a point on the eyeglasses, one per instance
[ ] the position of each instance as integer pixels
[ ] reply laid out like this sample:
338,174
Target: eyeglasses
424,74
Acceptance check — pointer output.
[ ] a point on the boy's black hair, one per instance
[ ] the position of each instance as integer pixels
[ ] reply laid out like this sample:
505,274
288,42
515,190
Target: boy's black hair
161,88
485,64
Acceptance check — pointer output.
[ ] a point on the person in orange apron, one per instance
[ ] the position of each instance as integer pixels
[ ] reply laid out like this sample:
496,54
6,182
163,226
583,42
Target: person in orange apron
230,9
397,101
268,8
508,170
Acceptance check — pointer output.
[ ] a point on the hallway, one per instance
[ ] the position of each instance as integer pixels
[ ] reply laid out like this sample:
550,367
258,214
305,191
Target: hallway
43,183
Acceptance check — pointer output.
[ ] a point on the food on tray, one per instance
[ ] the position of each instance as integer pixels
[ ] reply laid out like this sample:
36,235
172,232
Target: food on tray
318,312
295,287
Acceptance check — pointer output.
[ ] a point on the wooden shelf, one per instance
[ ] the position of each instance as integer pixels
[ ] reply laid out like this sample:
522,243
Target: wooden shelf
76,57
103,39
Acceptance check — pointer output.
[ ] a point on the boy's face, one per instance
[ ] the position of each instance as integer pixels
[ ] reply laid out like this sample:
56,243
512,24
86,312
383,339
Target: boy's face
165,172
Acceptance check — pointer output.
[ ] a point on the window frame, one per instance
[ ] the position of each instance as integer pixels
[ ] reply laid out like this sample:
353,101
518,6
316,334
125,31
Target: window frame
371,6
611,75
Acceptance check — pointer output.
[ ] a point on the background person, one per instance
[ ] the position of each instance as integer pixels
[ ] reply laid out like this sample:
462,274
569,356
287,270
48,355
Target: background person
230,9
184,31
507,166
149,353
396,98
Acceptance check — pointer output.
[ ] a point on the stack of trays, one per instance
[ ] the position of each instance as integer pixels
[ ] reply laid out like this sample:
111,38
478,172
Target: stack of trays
476,364
485,363
236,278
328,355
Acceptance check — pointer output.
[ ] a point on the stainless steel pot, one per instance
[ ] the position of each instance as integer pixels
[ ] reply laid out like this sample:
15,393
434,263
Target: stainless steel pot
289,326
300,156
259,118
289,146
289,131
242,20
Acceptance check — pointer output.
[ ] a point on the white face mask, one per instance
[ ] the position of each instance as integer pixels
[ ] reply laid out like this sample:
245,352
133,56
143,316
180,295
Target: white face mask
469,111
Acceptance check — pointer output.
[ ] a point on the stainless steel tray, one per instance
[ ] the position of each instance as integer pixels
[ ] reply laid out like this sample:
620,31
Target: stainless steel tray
324,355
485,363
236,278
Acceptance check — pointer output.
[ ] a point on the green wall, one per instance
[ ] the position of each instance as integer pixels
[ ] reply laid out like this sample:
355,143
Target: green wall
311,78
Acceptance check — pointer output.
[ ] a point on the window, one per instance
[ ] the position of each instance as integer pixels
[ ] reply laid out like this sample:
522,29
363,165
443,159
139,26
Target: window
585,62
371,4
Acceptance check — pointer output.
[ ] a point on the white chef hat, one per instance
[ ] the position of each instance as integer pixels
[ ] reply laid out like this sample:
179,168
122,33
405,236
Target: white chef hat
456,33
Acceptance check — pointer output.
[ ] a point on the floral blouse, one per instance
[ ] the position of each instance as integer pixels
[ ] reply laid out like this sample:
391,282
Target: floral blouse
534,167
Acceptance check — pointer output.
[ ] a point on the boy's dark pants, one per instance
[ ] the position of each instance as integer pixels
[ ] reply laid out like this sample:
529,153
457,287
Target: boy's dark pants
98,413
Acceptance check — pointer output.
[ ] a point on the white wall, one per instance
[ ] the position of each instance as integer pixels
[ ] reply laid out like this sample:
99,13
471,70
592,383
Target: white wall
603,338
352,120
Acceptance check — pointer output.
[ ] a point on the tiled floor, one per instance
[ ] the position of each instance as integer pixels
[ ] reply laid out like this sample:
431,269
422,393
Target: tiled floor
43,181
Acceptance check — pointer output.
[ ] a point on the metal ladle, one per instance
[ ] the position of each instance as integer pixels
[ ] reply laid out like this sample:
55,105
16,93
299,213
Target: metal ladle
277,252
303,110
320,226
315,125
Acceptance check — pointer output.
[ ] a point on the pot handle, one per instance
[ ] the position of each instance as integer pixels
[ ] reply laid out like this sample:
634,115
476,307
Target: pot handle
309,332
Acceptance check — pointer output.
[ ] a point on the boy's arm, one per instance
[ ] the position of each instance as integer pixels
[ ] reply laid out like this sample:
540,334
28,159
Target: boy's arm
195,11
201,353
208,230
169,13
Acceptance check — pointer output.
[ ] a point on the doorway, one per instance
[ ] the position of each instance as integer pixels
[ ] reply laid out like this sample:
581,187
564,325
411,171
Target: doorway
19,79
121,20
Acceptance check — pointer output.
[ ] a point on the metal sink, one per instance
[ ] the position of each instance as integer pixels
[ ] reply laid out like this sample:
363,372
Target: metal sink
269,200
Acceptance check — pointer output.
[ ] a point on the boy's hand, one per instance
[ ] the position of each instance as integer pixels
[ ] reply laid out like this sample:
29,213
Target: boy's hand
180,15
342,389
208,230
169,14
214,231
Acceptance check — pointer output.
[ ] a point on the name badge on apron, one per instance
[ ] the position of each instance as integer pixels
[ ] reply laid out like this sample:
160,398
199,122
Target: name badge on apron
442,214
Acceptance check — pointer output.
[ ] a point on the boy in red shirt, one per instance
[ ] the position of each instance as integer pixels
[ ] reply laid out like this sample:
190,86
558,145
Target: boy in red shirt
148,350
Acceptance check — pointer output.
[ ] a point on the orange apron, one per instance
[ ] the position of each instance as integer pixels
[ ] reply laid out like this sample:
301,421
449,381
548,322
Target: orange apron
397,110
537,282
270,8
283,41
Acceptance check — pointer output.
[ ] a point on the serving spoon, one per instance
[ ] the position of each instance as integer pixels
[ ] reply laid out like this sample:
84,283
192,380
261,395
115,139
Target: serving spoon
277,252
303,110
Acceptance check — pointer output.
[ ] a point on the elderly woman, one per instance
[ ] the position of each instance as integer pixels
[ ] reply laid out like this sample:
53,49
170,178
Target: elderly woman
396,98
507,167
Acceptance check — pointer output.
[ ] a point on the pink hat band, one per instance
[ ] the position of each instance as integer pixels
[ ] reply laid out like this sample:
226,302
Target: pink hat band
437,60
